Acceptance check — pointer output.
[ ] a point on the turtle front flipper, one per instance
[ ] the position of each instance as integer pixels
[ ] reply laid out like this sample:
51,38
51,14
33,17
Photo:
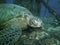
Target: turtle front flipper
10,34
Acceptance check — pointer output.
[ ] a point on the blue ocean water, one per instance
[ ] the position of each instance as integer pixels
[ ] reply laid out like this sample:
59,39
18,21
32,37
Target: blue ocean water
9,1
54,4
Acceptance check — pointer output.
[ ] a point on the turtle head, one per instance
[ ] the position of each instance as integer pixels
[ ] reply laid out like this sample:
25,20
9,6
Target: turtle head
35,22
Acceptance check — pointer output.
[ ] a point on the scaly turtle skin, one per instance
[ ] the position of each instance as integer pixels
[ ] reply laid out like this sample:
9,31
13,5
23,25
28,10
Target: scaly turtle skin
13,19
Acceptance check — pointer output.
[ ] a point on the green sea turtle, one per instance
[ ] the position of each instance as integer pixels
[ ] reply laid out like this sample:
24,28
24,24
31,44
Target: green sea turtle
14,19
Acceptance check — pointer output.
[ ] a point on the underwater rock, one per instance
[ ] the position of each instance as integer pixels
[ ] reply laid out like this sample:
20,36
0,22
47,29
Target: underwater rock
52,41
37,38
55,32
48,22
